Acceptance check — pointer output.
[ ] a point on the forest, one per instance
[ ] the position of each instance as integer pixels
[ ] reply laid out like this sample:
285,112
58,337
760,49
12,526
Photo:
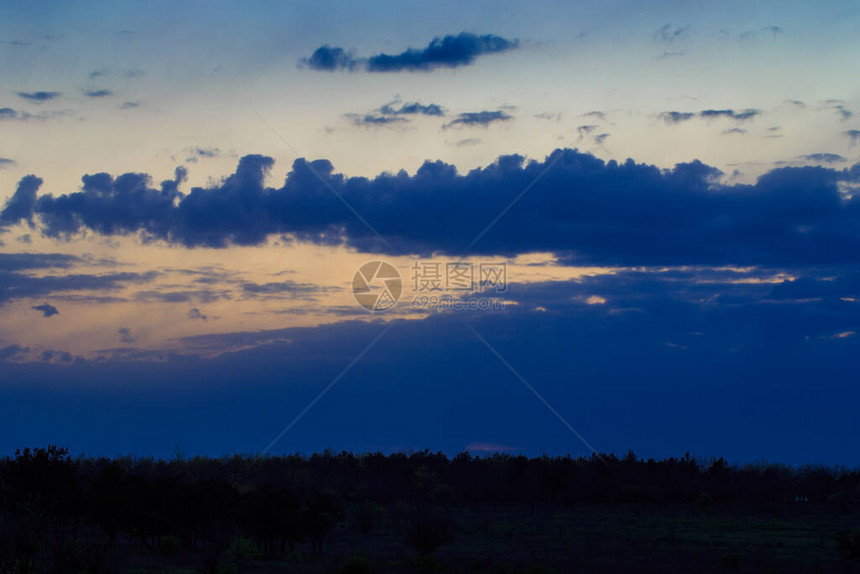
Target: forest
422,512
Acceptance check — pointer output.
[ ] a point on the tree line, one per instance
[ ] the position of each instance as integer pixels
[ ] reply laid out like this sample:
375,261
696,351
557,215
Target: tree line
59,513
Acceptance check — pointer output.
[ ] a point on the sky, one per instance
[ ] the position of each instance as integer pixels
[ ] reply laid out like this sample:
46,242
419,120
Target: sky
552,227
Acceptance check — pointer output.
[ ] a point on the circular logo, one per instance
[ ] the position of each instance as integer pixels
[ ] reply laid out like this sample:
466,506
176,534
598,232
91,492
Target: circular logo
377,286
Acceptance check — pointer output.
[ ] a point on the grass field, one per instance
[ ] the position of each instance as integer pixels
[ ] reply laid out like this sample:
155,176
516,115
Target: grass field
585,538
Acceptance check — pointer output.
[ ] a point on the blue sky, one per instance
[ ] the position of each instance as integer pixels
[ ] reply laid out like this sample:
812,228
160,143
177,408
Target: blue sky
187,191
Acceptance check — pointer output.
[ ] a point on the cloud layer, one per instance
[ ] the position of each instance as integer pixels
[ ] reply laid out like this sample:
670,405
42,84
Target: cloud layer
584,209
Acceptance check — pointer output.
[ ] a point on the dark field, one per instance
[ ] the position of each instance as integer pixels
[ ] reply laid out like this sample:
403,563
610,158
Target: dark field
423,512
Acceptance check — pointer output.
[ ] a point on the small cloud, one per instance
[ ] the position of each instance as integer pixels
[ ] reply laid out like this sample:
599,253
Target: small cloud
130,105
598,115
329,59
600,138
595,300
373,120
46,310
6,162
585,130
125,335
468,142
13,352
823,158
39,97
484,118
774,132
25,239
839,107
669,34
445,52
196,315
676,117
736,131
56,357
548,116
11,114
195,153
282,288
853,135
673,117
748,35
127,73
411,108
837,336
98,93
740,116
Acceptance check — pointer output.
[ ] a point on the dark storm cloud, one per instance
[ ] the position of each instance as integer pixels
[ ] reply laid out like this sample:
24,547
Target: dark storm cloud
39,97
443,52
483,118
46,310
98,93
588,210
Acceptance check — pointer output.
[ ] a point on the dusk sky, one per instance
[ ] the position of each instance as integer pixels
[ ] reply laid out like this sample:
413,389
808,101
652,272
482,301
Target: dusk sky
655,204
